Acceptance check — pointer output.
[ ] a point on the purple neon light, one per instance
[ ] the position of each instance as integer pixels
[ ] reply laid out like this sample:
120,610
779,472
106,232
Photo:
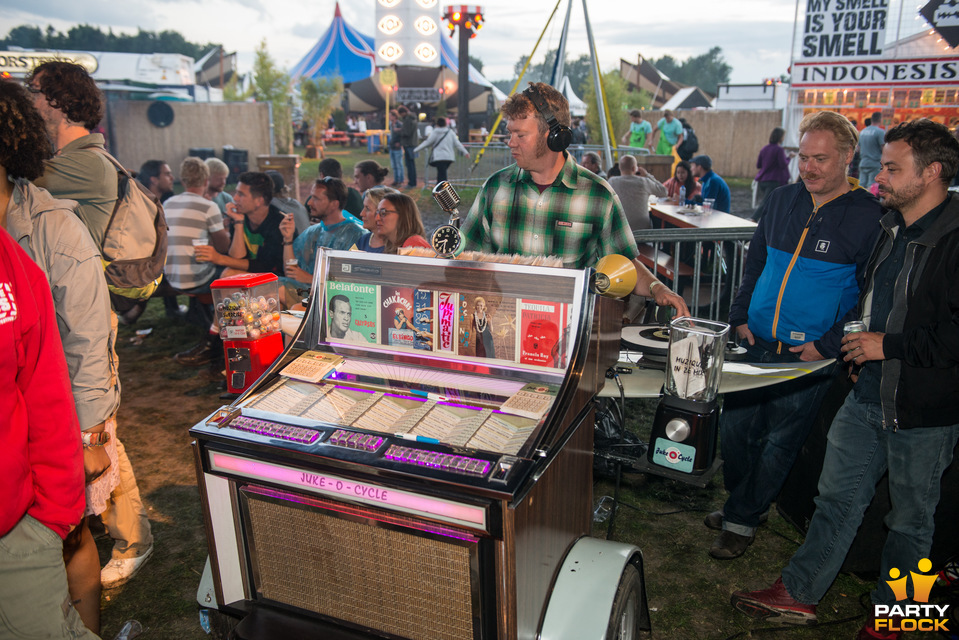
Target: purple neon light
435,460
322,483
461,406
354,389
355,440
275,430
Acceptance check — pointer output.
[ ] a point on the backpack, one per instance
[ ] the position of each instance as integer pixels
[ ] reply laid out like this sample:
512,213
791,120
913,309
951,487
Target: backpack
690,144
135,241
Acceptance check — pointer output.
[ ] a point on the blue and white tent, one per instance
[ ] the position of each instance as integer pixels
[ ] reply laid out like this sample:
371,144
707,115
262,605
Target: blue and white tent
343,51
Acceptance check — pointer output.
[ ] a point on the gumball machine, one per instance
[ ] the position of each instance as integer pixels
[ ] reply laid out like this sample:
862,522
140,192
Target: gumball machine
248,315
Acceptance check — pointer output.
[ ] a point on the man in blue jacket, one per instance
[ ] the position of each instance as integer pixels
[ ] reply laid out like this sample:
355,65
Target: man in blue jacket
801,281
903,413
713,186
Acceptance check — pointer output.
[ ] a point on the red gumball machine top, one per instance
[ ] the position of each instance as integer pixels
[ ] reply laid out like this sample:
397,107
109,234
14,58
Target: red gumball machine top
247,305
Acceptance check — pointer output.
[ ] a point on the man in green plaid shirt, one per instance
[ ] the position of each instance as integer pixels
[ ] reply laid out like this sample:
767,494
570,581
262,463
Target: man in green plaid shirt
546,204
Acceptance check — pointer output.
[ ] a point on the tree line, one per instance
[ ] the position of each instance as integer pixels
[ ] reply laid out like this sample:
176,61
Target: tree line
705,71
84,37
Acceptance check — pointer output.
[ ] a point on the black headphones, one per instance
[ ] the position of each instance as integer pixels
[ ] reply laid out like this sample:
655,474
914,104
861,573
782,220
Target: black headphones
560,136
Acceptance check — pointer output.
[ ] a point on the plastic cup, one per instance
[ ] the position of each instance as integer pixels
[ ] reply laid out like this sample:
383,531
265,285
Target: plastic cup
199,242
708,205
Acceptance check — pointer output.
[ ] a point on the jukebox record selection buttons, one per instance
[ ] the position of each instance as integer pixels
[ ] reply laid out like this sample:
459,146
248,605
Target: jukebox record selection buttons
275,430
355,440
435,460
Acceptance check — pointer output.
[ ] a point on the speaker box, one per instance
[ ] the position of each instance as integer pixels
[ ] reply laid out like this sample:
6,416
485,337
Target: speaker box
238,162
370,569
796,506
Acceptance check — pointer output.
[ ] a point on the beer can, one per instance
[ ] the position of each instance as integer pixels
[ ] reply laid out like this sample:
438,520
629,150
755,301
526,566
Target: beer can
853,326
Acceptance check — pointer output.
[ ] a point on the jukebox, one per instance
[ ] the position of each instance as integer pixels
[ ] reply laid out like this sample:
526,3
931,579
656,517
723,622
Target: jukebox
418,463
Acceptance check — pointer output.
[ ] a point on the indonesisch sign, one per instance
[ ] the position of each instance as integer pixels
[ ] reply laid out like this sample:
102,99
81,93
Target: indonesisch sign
25,61
844,28
862,73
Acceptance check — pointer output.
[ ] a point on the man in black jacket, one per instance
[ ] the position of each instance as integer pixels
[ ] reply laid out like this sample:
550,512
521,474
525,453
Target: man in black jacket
408,137
903,413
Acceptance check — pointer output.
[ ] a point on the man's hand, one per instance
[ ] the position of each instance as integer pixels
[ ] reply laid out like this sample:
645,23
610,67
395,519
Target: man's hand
807,352
95,459
743,333
288,227
862,346
665,297
232,214
96,462
205,253
293,271
641,171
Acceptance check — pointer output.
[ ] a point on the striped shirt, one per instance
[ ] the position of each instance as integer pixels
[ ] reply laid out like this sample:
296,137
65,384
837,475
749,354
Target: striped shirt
189,217
579,218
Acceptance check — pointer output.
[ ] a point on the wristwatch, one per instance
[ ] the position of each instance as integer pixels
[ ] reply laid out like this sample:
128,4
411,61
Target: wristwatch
95,439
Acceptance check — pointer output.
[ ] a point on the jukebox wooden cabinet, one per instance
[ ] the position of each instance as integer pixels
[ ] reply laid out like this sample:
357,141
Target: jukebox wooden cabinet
418,462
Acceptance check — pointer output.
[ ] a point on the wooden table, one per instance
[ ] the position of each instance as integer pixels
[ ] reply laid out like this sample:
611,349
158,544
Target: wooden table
670,213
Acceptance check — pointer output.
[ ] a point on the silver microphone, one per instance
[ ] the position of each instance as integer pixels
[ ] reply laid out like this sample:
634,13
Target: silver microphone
446,197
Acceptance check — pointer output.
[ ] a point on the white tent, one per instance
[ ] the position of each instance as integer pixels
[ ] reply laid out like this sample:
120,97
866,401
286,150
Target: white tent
577,107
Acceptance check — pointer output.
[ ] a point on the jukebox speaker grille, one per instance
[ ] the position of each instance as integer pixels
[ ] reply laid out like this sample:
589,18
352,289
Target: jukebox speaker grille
392,581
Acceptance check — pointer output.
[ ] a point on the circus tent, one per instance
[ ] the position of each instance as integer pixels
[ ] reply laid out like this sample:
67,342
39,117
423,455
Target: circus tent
344,51
341,51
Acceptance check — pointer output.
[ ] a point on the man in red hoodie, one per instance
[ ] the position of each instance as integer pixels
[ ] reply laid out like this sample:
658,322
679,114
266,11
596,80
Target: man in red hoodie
41,462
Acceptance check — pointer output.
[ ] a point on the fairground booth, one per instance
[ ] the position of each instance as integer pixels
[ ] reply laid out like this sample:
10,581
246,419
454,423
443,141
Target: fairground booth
850,57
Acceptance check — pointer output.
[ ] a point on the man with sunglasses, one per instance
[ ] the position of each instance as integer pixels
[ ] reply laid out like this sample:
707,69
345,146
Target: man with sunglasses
330,229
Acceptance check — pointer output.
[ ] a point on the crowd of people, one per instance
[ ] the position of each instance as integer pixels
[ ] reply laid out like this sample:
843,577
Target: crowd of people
826,250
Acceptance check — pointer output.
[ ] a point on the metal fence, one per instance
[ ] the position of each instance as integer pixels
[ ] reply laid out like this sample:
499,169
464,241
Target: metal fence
705,266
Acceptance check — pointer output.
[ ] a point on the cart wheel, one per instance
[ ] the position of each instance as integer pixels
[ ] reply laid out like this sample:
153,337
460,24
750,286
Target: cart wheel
625,619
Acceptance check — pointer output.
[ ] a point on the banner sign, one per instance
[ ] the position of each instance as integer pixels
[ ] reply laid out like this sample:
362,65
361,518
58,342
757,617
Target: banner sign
884,72
418,94
23,62
943,15
844,28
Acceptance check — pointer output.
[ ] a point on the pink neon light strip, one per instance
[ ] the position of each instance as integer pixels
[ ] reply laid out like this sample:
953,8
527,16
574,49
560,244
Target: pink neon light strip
378,495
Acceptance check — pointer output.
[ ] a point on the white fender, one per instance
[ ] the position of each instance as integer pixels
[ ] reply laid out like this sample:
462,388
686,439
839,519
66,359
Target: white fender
581,603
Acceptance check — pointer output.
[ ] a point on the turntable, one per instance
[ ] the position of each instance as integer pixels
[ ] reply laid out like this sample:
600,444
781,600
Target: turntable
652,340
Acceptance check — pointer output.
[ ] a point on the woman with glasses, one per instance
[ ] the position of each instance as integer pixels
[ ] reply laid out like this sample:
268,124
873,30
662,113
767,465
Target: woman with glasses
398,223
371,242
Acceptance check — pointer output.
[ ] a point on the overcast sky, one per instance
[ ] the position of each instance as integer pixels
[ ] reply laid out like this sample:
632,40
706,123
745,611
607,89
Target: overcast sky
755,35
